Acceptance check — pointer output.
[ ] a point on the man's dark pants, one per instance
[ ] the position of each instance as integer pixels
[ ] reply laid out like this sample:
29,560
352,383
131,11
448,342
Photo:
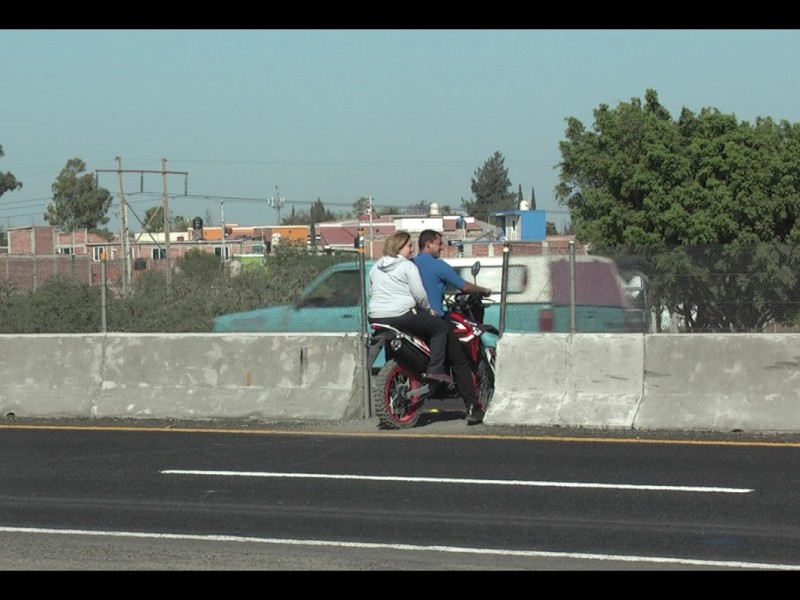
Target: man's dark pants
460,366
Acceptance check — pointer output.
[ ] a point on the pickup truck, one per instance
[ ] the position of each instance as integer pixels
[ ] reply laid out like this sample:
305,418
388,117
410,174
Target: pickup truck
537,298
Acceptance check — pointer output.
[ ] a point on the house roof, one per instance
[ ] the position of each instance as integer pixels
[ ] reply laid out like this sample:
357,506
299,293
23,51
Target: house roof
337,236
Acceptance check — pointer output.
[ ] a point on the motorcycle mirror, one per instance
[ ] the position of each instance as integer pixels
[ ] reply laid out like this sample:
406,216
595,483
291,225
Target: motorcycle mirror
476,267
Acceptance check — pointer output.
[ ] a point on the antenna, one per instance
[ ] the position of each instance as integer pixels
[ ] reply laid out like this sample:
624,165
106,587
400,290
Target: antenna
277,201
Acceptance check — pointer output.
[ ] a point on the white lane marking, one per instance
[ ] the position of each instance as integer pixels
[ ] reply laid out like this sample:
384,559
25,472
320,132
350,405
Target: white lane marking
564,484
409,547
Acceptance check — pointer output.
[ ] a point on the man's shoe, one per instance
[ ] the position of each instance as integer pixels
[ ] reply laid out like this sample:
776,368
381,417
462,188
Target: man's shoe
442,377
475,414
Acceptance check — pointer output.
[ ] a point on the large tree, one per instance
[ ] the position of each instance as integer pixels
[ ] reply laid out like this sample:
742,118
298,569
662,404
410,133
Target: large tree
709,205
316,214
154,220
8,183
491,189
78,202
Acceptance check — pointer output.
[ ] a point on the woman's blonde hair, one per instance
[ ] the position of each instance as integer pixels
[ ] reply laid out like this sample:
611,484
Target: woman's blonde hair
393,243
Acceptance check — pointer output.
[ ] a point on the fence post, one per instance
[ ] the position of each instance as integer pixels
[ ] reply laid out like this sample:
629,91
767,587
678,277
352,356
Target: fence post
103,327
366,366
503,287
572,319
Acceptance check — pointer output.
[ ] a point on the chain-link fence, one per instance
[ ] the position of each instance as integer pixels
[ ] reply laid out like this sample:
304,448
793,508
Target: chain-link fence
66,294
540,288
685,289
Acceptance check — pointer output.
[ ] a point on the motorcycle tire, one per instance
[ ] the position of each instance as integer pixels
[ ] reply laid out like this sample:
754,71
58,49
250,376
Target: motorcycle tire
484,384
389,391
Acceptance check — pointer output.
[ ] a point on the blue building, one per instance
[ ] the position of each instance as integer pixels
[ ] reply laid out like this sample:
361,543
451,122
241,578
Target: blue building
521,225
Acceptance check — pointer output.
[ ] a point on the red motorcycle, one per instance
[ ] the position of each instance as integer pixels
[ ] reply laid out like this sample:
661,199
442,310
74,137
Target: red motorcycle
398,390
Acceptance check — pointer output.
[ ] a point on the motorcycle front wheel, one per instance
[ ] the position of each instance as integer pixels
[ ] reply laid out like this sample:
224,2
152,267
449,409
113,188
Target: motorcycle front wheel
484,380
393,398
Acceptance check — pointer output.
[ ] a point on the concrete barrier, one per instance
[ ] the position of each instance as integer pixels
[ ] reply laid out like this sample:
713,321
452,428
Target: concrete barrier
725,382
182,376
560,379
714,382
711,382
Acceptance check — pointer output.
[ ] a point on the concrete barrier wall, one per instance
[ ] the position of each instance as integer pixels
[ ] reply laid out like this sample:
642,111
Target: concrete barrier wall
559,379
722,382
708,382
182,376
711,382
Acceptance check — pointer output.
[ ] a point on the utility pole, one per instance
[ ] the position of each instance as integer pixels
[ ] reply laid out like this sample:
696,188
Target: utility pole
123,234
124,213
165,205
276,202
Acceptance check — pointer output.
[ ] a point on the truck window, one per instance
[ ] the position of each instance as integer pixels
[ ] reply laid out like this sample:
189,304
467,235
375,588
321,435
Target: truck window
491,276
340,289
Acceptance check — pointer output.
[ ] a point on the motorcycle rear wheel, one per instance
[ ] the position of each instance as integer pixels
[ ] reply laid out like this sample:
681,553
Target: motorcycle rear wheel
391,389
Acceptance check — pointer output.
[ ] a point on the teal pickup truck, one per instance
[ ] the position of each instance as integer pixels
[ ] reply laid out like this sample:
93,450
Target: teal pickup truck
329,304
537,298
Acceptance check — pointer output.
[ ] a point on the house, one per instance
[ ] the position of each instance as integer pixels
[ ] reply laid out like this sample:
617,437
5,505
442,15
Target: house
38,252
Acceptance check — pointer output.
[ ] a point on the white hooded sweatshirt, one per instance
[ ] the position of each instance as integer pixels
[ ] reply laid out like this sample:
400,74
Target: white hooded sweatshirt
395,287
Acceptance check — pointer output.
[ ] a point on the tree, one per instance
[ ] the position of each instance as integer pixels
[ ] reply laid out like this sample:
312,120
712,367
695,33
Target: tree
711,205
154,220
361,206
319,214
422,207
8,183
491,189
77,200
181,223
316,214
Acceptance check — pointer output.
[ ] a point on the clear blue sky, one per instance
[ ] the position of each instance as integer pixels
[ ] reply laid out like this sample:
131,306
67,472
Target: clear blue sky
333,114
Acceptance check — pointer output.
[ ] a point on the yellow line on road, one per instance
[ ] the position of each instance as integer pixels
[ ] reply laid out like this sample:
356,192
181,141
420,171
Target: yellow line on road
407,434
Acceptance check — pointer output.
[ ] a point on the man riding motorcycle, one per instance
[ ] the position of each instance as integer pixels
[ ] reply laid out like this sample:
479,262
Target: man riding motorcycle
436,274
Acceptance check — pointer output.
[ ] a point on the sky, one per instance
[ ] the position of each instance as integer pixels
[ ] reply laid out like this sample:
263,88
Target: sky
241,116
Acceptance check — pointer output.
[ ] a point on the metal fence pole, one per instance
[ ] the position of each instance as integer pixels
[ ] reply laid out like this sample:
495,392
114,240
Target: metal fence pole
503,288
103,327
572,319
367,367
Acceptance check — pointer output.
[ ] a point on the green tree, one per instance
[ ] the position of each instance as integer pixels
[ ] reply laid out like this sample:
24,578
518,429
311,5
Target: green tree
180,223
8,183
712,204
154,220
360,207
201,266
77,200
317,213
491,189
422,207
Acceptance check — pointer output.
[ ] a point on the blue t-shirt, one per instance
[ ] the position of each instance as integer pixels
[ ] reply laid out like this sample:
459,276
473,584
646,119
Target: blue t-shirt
436,274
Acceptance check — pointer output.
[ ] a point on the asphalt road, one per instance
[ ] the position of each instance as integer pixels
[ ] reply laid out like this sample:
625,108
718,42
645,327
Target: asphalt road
130,495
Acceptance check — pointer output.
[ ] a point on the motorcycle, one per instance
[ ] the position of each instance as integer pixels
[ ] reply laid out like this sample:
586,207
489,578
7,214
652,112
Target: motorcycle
398,389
